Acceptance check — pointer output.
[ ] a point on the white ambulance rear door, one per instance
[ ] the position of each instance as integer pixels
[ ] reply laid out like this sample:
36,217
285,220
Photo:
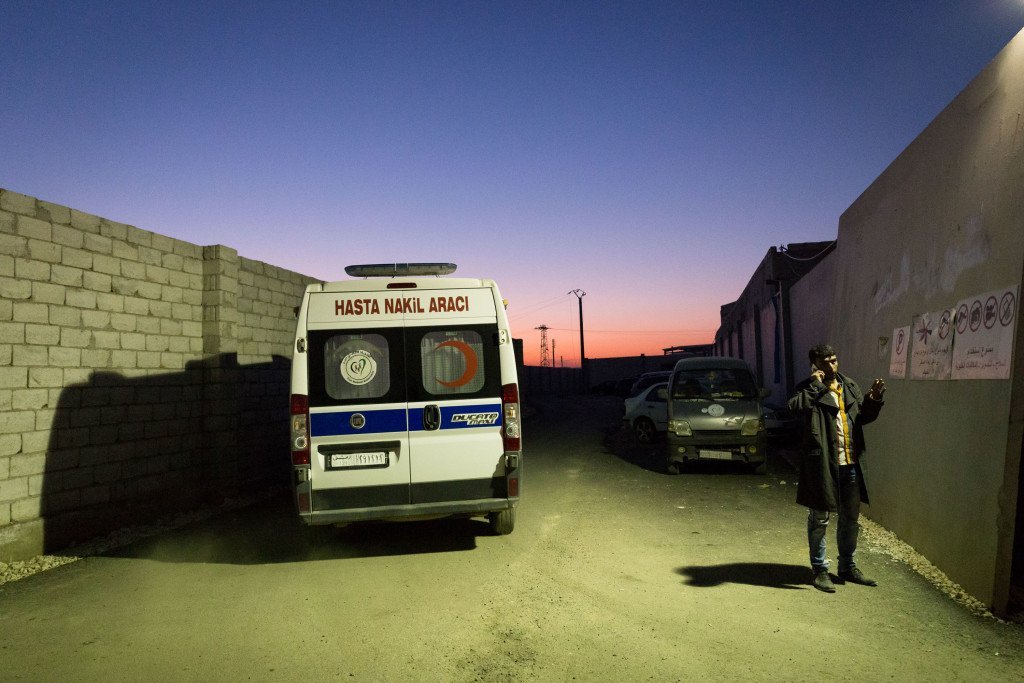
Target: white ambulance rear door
454,379
358,409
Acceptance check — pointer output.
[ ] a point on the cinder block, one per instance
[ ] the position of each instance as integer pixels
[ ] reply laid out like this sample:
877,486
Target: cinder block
158,274
35,442
13,489
44,251
156,342
113,303
25,312
8,221
66,316
106,264
133,270
54,213
161,309
173,262
179,279
11,288
138,236
149,359
81,298
85,221
29,356
133,341
170,327
161,242
113,229
45,377
13,245
64,275
45,419
123,359
76,258
172,361
96,358
29,269
47,293
5,519
26,509
151,257
172,294
150,290
67,236
65,358
136,306
72,338
6,265
10,444
149,325
123,322
99,244
17,203
28,464
6,354
123,250
17,422
179,345
96,319
33,228
98,282
13,378
12,333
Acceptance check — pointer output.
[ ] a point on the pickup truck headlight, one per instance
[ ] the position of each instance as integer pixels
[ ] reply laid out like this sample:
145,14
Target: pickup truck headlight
680,427
752,427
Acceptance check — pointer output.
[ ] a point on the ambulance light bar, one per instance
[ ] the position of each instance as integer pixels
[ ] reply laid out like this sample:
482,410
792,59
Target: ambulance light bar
400,269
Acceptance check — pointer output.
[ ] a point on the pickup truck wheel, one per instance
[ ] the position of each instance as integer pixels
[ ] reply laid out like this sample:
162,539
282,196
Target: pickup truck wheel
503,521
673,467
643,430
761,467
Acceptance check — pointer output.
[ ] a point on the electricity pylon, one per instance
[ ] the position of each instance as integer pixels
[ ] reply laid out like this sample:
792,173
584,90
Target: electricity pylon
544,360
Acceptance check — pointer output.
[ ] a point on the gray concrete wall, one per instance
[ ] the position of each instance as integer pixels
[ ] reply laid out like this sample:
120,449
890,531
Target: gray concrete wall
810,300
945,221
139,374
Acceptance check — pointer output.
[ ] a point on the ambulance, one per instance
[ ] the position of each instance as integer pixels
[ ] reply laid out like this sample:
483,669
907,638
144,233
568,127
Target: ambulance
405,399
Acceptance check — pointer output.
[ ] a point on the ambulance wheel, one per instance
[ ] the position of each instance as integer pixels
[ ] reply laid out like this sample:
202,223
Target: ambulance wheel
643,430
502,521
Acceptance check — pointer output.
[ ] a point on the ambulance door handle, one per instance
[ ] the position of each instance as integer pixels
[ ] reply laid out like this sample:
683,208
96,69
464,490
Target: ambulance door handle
431,417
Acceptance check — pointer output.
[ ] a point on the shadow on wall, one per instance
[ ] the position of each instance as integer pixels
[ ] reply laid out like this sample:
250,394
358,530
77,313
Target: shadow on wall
130,450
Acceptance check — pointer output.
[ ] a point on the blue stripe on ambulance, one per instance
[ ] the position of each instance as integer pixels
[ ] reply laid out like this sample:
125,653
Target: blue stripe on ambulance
394,420
338,424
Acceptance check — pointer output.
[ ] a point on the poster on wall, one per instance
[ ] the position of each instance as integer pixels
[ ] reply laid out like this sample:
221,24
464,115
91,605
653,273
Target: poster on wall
931,353
984,335
898,358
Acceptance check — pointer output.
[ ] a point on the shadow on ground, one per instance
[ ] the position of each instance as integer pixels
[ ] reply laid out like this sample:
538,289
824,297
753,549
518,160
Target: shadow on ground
767,574
270,532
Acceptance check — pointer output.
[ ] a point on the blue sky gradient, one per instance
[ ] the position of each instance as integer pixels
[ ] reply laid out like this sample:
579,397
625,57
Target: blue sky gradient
648,153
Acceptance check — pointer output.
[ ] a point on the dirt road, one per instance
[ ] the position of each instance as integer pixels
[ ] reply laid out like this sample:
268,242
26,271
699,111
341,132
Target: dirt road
615,572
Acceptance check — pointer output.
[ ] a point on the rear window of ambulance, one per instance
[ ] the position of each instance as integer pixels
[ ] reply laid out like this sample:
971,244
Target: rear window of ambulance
452,363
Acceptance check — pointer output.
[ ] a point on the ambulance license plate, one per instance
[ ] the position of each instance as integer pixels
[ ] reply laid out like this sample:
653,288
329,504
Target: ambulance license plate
342,460
716,455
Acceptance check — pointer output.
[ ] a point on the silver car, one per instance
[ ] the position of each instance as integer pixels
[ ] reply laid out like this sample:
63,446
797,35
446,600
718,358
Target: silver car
647,413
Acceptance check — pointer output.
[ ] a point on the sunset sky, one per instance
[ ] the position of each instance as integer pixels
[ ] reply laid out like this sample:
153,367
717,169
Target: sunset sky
647,153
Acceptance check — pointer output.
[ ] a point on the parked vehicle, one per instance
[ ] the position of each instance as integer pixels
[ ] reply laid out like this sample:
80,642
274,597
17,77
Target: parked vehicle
715,413
404,399
647,413
647,379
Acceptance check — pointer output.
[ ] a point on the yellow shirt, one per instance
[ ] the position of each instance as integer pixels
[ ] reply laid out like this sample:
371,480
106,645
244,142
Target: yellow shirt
843,446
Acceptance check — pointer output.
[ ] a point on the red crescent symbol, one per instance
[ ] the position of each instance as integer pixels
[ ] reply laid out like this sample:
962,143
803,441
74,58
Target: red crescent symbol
471,363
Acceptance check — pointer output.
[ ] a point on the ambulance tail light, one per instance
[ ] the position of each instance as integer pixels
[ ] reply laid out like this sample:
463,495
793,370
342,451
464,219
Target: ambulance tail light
510,411
300,429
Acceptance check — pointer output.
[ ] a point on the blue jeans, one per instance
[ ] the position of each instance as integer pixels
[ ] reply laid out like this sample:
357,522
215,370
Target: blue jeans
846,529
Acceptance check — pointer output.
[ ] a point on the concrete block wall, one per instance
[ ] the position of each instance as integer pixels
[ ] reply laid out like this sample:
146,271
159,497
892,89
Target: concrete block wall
139,374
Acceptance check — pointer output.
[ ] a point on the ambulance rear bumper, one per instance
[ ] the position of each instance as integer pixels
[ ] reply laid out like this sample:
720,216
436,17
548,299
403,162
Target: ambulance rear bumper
397,512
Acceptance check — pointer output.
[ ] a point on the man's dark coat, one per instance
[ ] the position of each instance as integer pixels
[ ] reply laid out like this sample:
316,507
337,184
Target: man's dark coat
817,408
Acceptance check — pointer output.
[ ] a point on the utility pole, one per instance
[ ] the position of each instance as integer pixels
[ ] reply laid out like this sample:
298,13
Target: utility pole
544,362
554,356
583,354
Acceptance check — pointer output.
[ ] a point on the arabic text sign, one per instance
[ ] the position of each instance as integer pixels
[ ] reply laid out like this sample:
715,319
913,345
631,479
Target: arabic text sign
900,346
985,327
931,355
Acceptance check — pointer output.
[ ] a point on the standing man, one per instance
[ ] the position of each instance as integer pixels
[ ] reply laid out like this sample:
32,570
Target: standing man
833,410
